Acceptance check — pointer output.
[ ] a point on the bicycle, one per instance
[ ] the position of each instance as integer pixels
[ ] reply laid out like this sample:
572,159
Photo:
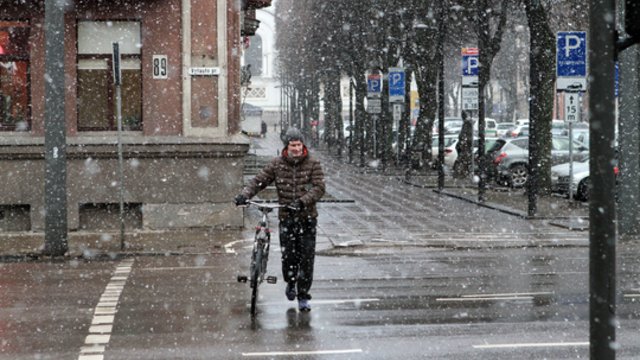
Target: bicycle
260,253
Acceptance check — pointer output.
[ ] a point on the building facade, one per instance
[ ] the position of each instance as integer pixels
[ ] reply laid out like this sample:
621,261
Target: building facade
180,113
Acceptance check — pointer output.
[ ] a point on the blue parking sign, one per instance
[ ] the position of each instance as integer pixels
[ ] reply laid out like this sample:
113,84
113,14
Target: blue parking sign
571,54
396,84
374,85
470,63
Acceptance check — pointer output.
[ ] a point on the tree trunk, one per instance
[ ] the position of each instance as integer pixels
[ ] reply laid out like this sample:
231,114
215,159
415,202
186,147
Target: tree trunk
542,81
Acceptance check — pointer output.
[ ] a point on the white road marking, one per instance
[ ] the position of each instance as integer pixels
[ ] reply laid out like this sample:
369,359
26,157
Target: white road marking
104,314
496,297
529,345
500,298
330,302
506,294
294,353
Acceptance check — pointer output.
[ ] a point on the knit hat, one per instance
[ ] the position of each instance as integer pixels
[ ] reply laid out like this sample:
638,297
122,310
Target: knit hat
292,134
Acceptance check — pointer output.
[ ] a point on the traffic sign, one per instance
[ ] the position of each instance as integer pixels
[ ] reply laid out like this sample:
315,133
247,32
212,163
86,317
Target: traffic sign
396,85
374,85
470,61
469,98
374,106
571,107
571,60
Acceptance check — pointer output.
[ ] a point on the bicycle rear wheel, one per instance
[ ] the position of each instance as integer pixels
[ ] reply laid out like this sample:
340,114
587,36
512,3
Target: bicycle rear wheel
256,266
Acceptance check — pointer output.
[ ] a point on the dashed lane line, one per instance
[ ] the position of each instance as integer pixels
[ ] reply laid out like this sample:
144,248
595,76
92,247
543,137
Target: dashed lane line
301,353
530,345
104,314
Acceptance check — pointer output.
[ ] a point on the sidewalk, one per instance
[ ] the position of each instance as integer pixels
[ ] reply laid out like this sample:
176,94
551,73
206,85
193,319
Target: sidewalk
560,211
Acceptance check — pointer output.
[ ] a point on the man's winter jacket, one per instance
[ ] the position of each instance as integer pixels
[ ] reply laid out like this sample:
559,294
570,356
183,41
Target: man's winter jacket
295,178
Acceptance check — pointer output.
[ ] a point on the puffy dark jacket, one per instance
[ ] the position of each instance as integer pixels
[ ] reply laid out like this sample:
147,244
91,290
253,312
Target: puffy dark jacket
300,178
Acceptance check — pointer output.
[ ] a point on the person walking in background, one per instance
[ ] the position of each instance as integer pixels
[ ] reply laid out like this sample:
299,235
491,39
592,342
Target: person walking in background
299,181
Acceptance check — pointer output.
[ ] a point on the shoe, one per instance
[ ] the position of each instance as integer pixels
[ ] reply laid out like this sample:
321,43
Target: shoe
303,305
290,291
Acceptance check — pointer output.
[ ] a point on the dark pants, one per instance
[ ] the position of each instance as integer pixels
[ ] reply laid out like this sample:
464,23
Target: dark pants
298,243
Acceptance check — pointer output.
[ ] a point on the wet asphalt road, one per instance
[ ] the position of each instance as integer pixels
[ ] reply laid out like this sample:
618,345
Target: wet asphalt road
402,273
402,304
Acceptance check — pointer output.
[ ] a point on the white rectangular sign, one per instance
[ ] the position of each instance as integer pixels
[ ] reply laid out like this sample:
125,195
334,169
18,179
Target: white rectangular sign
571,107
160,67
204,71
374,106
469,98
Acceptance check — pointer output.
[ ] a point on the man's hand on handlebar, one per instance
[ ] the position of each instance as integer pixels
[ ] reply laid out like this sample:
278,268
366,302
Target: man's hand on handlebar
240,200
296,205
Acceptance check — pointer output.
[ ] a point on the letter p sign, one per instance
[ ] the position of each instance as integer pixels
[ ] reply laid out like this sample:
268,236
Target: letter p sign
571,42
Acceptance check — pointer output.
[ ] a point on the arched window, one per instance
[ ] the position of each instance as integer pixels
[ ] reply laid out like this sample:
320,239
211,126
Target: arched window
253,55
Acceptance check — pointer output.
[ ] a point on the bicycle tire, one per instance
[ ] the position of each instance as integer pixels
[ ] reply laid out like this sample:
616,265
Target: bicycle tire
256,264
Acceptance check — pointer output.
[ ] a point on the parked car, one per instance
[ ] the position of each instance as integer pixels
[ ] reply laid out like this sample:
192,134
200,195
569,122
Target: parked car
510,158
560,182
522,122
448,140
503,128
451,153
452,125
580,134
557,127
519,130
490,127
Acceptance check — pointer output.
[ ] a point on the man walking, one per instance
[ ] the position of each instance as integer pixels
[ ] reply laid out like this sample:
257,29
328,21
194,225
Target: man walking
300,184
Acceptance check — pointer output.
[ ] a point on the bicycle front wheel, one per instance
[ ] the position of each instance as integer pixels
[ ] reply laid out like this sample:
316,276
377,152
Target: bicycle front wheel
256,267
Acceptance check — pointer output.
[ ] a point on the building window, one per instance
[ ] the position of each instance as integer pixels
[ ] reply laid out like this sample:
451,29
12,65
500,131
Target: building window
96,91
14,76
253,55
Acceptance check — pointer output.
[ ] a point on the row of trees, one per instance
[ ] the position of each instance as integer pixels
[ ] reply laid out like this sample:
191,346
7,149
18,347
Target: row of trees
320,42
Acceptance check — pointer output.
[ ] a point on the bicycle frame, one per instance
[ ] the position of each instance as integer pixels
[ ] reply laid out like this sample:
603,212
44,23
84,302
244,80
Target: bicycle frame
260,253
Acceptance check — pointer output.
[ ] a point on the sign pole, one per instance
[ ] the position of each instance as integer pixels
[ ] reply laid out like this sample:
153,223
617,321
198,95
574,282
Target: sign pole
117,81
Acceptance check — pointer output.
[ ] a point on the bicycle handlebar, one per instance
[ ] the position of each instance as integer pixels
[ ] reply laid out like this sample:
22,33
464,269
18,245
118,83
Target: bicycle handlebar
268,205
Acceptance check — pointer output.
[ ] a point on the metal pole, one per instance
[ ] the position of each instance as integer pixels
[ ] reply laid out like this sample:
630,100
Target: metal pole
571,159
441,109
55,181
602,211
117,81
351,132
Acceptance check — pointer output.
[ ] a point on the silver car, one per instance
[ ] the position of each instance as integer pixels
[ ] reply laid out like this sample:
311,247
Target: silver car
511,157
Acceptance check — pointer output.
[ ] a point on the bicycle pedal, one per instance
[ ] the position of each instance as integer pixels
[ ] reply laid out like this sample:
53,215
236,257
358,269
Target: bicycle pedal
242,278
272,279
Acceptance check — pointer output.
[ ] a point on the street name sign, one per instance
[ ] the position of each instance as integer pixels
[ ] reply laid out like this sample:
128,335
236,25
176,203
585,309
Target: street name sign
571,61
374,85
396,85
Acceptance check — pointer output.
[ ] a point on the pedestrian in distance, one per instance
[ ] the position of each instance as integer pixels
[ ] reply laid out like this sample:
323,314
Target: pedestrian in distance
263,129
299,182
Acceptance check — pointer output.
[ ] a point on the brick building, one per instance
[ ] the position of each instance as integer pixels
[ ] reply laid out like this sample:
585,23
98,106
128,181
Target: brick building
180,113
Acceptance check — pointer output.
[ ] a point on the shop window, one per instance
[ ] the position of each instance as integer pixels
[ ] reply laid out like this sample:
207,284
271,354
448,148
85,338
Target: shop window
14,76
96,91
